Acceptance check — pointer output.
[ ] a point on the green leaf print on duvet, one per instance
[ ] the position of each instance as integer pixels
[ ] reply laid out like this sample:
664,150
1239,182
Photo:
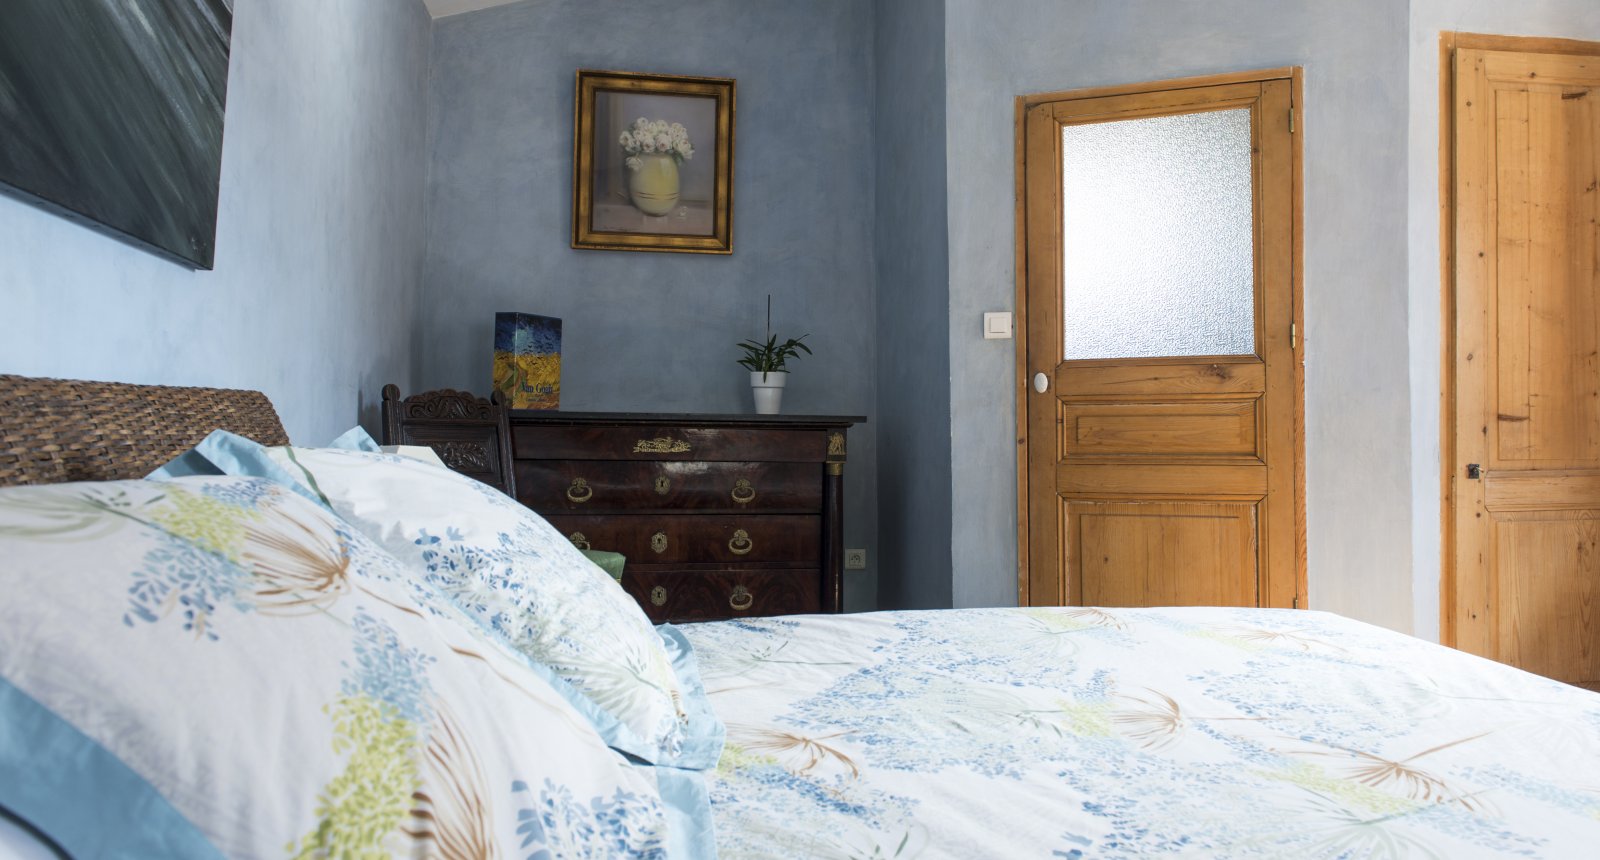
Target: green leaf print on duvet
238,546
208,522
380,720
371,798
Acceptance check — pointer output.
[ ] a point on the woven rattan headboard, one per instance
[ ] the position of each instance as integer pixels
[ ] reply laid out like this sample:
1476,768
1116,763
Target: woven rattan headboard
55,430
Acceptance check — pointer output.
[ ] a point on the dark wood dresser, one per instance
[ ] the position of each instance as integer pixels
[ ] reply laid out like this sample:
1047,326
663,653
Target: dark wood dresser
720,516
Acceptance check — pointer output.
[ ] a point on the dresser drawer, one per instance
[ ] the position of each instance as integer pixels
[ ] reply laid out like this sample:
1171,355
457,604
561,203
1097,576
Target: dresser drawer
584,486
718,515
687,595
557,442
684,538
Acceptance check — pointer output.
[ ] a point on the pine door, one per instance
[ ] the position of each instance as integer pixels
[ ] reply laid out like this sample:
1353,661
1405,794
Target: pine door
1160,373
1525,459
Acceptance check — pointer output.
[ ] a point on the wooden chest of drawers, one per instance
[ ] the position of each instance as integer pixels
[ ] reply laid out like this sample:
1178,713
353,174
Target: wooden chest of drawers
720,516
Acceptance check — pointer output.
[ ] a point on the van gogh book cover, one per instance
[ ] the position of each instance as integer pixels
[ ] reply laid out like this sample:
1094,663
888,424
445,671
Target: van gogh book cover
527,360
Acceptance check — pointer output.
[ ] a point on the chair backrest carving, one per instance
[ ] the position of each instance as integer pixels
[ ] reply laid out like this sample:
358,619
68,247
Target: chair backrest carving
470,434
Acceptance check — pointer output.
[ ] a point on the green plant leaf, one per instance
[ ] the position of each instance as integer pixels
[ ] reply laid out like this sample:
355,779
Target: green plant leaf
771,356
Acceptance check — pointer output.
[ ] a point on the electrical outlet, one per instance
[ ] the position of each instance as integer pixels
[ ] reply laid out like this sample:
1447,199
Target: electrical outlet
855,559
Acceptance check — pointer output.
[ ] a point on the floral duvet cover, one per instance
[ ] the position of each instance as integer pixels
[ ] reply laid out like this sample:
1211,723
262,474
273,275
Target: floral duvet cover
1075,732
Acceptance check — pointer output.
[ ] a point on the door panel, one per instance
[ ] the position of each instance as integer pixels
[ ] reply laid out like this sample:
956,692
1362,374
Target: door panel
1155,377
1215,427
1545,144
1543,490
1526,371
1159,245
1161,481
1178,554
1548,565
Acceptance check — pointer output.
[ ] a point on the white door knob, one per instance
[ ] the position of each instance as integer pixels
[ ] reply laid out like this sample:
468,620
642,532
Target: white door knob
1041,383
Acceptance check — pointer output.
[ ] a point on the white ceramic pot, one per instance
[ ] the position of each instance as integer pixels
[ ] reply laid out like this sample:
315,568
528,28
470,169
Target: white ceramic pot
768,389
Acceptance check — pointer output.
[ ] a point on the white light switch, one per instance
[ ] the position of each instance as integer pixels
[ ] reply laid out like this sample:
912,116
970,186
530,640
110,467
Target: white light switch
997,325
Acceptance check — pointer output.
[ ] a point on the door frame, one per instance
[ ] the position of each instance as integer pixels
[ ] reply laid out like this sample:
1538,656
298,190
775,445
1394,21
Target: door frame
1449,42
1293,74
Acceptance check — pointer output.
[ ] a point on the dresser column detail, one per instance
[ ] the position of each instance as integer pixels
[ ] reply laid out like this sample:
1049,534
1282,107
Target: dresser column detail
833,524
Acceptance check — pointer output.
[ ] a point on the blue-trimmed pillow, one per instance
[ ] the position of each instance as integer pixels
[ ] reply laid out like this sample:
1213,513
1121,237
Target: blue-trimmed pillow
222,460
217,667
515,573
356,439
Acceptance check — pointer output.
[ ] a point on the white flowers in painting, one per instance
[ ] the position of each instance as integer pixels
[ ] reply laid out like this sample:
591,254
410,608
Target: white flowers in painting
655,137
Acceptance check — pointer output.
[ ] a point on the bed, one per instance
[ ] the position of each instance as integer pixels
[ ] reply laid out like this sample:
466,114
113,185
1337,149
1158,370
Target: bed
1035,732
1206,732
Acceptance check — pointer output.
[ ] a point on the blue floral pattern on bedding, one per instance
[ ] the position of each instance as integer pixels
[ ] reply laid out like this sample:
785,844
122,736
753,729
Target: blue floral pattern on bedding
217,666
507,567
1078,732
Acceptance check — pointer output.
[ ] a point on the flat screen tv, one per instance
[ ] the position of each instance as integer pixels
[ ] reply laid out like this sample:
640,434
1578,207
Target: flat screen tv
111,114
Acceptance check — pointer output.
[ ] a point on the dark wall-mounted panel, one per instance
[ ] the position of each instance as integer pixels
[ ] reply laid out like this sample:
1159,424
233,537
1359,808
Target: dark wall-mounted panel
111,112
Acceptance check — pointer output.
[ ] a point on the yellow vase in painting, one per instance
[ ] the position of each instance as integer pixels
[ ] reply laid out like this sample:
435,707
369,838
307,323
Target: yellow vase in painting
653,186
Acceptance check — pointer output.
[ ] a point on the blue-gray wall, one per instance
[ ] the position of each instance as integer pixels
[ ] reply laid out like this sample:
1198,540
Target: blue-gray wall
913,300
894,76
874,200
319,235
1355,120
651,331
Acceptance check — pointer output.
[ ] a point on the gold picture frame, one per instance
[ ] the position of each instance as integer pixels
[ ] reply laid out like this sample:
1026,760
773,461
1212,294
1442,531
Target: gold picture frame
641,180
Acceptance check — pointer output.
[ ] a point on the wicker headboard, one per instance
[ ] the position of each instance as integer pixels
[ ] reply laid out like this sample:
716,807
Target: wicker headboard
56,430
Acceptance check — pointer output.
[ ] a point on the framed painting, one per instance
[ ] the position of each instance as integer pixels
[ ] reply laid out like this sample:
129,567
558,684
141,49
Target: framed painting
652,163
111,116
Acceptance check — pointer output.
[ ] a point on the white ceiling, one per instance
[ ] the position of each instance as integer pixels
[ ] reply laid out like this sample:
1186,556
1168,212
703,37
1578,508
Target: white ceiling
441,8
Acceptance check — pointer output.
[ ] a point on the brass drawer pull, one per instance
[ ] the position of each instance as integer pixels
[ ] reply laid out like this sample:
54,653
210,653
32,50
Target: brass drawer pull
658,595
578,540
663,485
741,543
658,542
660,445
741,598
579,492
743,493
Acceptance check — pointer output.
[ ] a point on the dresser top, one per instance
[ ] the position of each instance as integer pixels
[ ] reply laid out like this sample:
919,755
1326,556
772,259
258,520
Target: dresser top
787,422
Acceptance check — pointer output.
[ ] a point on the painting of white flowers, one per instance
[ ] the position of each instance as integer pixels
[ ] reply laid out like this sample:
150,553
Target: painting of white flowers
656,155
653,158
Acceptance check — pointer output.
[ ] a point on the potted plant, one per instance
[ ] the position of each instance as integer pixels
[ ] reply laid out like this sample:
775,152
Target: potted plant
766,361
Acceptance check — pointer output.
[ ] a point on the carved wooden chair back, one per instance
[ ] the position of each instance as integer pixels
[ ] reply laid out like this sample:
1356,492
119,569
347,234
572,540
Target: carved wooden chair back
469,433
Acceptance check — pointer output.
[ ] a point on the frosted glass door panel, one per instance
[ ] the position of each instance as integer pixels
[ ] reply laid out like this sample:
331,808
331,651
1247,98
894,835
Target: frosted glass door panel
1158,237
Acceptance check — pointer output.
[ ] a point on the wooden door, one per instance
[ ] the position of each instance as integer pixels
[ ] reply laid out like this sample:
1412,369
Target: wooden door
1160,375
1525,463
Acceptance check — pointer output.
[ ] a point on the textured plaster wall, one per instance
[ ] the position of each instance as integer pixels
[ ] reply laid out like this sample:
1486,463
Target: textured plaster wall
1567,19
319,235
1354,121
874,178
914,489
651,331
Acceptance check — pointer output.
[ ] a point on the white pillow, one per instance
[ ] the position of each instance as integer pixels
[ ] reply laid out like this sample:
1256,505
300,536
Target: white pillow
216,666
415,452
512,570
